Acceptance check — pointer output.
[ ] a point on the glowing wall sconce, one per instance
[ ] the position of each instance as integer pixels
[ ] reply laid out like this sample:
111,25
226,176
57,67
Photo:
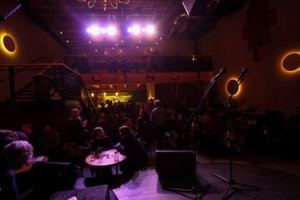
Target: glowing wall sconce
233,87
8,44
290,62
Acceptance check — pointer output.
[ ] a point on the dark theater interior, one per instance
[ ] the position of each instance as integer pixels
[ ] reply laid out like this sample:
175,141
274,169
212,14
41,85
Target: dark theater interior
149,99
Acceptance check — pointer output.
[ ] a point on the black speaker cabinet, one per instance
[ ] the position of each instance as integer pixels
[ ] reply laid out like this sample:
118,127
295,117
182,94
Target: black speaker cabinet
176,168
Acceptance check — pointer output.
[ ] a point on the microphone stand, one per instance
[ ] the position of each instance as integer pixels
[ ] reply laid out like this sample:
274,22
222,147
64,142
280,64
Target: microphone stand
199,190
200,104
12,11
233,186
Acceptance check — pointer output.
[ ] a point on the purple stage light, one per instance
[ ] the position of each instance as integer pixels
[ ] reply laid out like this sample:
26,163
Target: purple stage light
134,29
150,29
111,30
103,31
94,30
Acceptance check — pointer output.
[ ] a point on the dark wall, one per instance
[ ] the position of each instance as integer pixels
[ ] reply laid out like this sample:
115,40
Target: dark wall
32,42
257,36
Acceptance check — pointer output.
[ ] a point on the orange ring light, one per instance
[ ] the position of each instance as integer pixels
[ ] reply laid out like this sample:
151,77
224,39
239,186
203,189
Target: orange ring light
236,91
290,62
8,44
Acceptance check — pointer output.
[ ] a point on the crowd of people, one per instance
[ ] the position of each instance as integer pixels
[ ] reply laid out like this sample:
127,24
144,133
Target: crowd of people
46,154
134,130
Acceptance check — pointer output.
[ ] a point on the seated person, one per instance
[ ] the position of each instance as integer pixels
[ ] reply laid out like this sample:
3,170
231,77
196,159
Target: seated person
8,136
136,157
50,140
101,142
7,178
17,157
43,177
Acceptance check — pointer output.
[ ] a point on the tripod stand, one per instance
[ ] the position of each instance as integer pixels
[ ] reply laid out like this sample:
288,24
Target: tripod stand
233,186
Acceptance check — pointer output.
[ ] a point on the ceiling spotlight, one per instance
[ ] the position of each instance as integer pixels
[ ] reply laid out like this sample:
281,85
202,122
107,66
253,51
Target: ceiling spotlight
94,30
150,29
111,30
103,30
135,29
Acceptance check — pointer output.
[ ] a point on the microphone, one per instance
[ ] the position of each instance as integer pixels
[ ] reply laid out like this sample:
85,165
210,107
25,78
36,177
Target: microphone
221,71
242,75
12,11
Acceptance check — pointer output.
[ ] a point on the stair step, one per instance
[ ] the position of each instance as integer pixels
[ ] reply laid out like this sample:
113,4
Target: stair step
27,92
26,96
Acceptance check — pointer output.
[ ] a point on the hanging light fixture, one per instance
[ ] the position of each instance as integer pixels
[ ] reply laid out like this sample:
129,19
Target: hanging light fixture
114,4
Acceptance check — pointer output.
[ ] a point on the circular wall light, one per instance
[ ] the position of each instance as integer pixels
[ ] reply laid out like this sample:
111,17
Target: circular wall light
232,87
290,62
8,44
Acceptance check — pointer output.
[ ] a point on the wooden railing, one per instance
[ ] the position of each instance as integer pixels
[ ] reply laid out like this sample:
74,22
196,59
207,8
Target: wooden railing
48,79
67,82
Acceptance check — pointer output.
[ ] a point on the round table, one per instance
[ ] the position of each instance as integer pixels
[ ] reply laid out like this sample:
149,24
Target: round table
107,158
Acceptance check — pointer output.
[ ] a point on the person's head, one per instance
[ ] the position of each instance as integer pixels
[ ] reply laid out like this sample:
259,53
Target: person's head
8,136
75,113
125,131
98,132
157,103
27,129
17,153
142,112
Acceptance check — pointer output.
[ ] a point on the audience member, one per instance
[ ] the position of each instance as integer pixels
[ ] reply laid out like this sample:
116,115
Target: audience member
75,128
101,141
158,114
148,106
158,118
136,157
8,136
50,140
142,126
17,157
20,169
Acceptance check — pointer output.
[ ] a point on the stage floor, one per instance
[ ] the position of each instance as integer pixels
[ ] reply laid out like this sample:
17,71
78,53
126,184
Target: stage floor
275,184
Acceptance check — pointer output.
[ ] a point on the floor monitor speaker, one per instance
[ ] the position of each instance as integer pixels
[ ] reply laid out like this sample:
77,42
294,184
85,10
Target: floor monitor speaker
176,168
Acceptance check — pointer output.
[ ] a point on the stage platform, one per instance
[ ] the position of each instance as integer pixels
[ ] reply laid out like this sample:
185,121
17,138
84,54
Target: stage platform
273,184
